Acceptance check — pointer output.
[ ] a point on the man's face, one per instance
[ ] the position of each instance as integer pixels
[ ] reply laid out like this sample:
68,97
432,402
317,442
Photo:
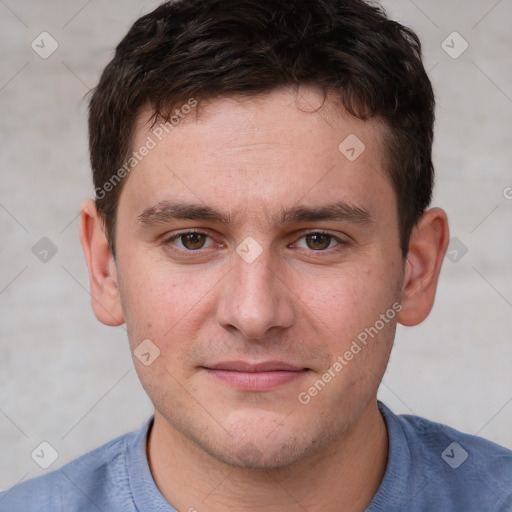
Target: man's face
250,312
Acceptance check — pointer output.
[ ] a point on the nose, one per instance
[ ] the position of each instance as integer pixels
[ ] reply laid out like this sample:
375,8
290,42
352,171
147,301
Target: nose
255,298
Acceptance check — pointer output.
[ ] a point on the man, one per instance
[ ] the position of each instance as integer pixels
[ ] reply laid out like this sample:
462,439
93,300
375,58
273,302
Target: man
262,175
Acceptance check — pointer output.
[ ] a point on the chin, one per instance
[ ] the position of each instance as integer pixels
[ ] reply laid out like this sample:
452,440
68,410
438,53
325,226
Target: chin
259,444
259,456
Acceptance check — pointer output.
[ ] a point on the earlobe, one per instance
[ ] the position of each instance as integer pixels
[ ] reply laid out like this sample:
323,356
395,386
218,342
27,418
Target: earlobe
427,246
106,302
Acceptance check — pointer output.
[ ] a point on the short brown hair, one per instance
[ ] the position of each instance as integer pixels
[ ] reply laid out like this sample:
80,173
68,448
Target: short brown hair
202,49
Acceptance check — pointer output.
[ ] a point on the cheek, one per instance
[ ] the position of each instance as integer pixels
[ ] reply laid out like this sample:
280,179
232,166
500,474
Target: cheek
351,298
160,300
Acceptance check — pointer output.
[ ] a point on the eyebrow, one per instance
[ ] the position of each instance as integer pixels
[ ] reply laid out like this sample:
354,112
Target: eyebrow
166,211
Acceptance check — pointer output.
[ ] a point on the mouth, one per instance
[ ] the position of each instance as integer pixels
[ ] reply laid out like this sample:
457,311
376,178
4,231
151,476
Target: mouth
263,376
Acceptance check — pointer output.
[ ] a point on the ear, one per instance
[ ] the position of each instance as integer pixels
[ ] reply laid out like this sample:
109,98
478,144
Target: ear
106,302
427,246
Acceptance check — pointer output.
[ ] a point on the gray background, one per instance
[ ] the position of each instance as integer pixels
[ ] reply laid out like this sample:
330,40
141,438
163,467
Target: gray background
68,380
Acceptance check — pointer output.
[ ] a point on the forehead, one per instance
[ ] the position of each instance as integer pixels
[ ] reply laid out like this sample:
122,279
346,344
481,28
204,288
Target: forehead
263,152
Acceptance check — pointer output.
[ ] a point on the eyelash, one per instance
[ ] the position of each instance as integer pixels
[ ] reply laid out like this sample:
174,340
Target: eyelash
176,236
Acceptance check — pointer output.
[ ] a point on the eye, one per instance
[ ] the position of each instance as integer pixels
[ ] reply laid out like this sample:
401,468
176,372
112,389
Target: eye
319,241
193,241
190,240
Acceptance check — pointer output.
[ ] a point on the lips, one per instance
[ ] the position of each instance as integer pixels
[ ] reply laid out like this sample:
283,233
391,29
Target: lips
262,376
268,366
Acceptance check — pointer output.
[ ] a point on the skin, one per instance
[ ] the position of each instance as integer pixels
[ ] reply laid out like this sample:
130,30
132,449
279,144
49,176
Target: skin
303,301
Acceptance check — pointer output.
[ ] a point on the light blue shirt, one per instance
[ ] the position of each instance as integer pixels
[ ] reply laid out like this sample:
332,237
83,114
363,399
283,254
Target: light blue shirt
430,468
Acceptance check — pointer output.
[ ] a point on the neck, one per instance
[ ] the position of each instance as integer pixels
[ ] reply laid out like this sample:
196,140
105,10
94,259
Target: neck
348,471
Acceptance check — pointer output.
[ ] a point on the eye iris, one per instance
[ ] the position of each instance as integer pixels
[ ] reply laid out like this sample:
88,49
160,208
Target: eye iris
320,241
193,240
